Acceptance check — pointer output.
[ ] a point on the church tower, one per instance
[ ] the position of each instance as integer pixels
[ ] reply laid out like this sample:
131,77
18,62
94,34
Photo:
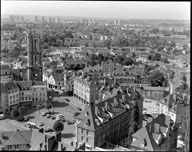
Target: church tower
34,65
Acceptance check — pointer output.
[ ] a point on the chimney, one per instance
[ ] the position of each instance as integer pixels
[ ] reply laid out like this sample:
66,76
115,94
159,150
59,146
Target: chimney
150,130
96,110
115,101
106,106
123,98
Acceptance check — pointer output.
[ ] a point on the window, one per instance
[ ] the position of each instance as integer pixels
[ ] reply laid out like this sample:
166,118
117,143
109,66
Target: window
81,137
10,97
87,132
25,98
82,131
87,140
13,96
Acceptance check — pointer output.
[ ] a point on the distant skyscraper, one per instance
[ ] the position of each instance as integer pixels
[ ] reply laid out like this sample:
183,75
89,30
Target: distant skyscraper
50,20
36,19
34,65
22,18
43,20
58,20
12,18
117,22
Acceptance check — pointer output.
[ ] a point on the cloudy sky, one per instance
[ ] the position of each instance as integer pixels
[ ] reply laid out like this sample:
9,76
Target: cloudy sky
106,9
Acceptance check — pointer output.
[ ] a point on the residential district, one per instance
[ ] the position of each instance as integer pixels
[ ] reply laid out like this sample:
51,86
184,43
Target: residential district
71,84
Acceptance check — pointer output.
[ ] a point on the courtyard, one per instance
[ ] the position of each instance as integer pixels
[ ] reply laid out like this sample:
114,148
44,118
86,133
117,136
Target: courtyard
60,106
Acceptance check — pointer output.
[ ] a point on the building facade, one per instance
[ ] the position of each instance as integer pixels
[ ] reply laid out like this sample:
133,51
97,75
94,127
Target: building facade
4,99
25,93
6,75
86,88
110,120
39,92
13,95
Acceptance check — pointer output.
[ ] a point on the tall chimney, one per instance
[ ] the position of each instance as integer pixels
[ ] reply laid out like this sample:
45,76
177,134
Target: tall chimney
96,110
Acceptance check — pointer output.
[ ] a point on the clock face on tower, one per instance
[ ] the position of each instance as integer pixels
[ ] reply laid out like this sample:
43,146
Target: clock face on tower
36,74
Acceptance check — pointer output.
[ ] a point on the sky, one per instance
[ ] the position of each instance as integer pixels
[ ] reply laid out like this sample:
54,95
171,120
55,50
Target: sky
99,9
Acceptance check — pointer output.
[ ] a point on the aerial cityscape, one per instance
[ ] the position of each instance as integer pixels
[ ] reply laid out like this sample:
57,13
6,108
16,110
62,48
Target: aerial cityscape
82,76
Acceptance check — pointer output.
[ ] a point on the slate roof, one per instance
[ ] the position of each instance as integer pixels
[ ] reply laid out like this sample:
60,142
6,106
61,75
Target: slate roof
148,135
58,76
38,83
5,67
3,89
94,116
24,85
11,85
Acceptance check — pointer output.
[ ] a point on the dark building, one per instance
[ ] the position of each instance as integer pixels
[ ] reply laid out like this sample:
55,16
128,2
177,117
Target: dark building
34,66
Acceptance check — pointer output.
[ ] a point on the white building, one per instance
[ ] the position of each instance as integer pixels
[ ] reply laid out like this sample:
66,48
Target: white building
39,92
86,88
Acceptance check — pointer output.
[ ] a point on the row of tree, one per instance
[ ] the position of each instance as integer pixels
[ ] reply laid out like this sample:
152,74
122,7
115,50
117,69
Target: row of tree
98,59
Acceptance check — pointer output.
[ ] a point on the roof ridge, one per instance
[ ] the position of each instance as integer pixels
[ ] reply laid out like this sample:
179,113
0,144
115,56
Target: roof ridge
23,137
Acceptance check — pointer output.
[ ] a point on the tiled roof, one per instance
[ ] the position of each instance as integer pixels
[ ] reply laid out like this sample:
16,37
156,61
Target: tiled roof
19,138
24,85
11,85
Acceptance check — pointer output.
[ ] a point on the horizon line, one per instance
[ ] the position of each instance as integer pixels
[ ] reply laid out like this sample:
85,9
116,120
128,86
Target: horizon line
98,17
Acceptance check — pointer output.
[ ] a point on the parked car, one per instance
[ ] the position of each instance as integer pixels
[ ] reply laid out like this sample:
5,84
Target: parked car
26,118
79,109
41,123
48,116
62,119
49,130
43,114
20,119
53,117
67,99
2,116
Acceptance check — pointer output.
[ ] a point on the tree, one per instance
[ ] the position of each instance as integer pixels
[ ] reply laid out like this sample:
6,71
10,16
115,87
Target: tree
76,114
38,108
23,110
48,106
58,126
127,61
15,113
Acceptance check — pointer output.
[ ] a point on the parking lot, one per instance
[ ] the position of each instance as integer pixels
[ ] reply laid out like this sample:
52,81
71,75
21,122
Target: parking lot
60,106
150,106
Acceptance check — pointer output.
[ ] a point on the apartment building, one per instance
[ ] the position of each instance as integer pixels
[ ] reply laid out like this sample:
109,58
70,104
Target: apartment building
4,99
25,92
86,88
39,92
108,120
6,75
158,135
13,95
